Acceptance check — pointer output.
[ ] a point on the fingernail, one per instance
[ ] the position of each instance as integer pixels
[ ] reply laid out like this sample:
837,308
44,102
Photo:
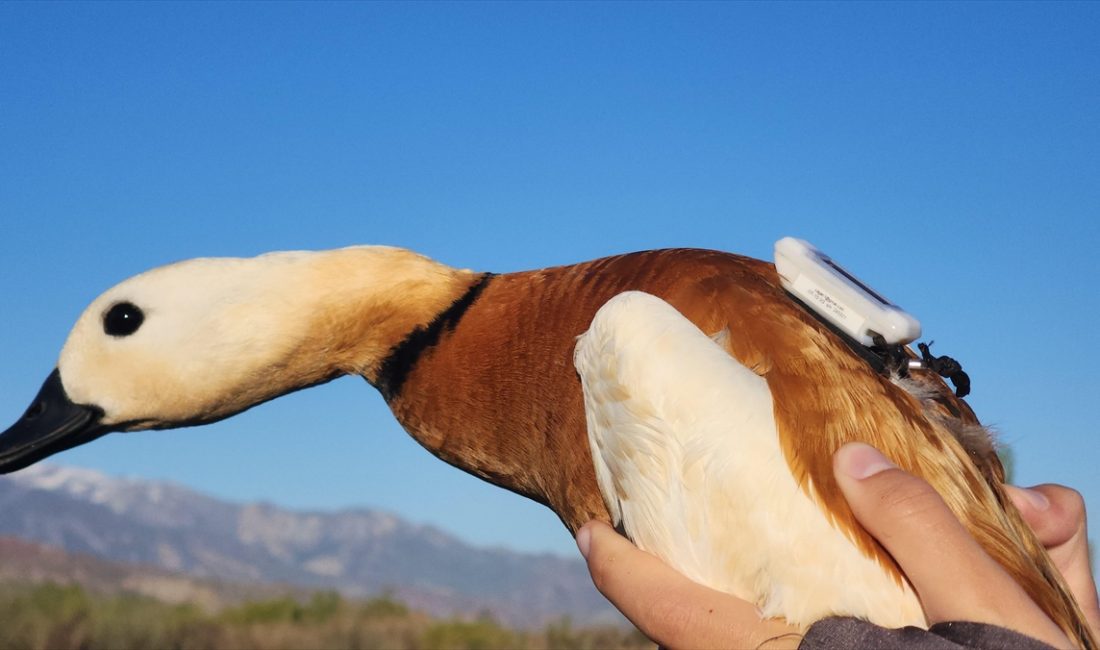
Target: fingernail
861,461
1037,499
584,540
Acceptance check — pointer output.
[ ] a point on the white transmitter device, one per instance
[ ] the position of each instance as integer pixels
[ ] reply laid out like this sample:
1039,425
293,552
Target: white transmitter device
839,297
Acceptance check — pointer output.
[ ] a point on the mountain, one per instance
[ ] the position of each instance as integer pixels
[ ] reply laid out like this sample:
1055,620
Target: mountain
23,562
357,552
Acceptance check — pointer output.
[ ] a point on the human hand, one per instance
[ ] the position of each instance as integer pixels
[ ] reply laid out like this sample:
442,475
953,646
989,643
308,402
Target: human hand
669,608
953,576
911,521
1057,515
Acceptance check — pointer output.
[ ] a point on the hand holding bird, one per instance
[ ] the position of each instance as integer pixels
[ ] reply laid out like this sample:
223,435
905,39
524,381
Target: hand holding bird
954,578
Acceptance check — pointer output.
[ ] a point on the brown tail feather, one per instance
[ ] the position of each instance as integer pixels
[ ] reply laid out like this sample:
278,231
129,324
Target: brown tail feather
1036,573
1004,534
841,402
997,525
825,396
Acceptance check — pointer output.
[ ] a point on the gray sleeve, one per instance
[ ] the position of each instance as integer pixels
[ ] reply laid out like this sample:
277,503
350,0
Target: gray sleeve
838,632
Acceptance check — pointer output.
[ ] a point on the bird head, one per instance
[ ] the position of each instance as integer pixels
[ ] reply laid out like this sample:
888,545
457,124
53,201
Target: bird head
201,340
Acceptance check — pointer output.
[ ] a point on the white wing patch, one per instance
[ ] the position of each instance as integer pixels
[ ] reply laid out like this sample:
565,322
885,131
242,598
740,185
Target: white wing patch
687,457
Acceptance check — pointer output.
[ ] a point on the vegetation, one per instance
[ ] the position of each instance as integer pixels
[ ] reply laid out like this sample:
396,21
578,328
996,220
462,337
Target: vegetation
61,617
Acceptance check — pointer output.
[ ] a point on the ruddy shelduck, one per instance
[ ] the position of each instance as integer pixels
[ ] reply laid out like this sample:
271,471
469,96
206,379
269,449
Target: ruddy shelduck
713,376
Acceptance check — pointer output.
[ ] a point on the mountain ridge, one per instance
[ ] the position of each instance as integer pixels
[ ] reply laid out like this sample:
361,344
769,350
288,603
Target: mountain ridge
360,552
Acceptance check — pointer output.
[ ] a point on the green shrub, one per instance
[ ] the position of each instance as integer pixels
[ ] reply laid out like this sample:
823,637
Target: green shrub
470,635
66,617
383,607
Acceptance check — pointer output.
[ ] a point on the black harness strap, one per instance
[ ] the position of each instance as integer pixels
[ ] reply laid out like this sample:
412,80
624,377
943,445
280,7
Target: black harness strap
945,366
887,359
882,357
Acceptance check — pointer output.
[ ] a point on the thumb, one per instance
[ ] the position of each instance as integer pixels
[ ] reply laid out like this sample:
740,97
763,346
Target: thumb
953,576
666,606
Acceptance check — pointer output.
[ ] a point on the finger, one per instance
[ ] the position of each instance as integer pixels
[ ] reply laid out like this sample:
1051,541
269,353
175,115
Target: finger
1057,515
667,607
1054,512
954,578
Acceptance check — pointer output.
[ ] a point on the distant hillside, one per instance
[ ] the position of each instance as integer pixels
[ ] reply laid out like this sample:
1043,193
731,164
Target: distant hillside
23,562
357,552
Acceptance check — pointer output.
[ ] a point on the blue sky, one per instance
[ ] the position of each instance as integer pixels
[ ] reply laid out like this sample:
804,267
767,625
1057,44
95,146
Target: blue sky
945,153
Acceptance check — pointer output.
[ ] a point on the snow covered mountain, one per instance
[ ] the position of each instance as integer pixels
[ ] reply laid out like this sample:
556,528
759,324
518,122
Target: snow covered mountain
359,552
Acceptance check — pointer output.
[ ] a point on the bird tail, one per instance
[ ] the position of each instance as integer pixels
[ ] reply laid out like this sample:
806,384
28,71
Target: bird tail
999,527
1034,570
953,452
997,524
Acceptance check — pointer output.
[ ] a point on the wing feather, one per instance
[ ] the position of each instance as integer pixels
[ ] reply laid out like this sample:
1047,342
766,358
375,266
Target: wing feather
688,458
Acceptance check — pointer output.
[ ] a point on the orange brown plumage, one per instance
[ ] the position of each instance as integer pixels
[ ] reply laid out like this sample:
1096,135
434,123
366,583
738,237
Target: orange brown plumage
532,439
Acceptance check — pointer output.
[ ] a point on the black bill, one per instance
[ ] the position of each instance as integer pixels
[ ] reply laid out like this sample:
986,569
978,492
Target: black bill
52,424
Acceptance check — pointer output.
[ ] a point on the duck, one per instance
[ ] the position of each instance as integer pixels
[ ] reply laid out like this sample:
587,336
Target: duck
485,371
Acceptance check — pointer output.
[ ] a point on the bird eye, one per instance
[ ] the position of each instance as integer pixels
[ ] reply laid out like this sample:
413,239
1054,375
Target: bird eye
122,319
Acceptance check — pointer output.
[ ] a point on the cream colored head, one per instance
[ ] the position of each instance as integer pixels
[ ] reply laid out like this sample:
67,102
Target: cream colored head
220,335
